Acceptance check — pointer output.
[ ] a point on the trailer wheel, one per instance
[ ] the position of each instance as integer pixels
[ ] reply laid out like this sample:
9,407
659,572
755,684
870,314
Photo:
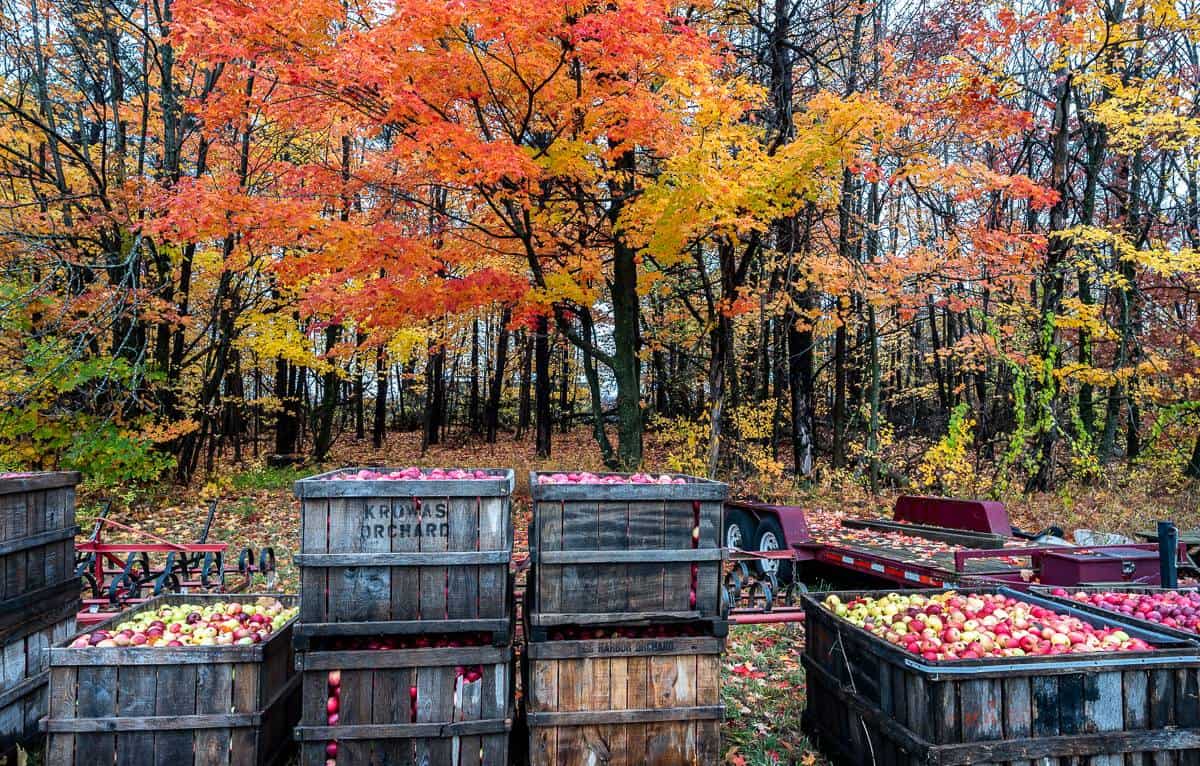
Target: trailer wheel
739,529
769,537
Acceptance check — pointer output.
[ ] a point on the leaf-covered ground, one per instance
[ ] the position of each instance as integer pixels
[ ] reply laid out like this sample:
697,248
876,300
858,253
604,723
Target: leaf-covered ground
763,683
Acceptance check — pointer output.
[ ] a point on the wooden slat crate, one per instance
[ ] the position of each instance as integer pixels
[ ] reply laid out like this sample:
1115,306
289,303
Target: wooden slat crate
624,701
188,706
393,557
23,673
624,554
449,722
37,543
871,702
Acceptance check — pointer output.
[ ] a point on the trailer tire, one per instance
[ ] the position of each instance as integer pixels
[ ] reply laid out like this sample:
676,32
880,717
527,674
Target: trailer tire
769,537
739,530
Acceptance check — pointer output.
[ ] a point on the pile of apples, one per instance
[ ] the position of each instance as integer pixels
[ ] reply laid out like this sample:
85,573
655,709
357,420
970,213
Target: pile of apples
216,624
586,477
1171,608
463,674
956,626
412,473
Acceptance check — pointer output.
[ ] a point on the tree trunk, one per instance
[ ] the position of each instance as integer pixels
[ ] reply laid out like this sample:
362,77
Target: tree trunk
474,420
492,414
379,424
545,420
435,397
323,439
524,396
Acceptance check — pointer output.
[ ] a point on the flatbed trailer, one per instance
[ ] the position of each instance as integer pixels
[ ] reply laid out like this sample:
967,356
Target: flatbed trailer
930,542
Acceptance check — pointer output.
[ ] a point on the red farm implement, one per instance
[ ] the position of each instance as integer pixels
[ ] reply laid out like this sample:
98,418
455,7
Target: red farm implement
120,574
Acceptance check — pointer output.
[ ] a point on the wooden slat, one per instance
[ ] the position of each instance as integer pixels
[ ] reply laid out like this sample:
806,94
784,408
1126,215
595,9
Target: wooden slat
467,750
136,698
176,697
402,658
668,715
708,694
678,521
672,556
580,533
548,521
571,698
434,514
708,586
611,583
463,577
393,559
495,534
247,691
356,701
96,698
695,489
500,484
646,519
618,699
624,647
314,590
542,696
405,581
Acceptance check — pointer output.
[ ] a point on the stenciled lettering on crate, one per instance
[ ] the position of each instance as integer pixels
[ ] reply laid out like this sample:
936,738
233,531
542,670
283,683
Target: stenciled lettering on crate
398,556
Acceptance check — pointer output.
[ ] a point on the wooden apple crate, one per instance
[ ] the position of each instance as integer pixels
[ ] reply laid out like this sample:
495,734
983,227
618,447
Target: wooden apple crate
37,544
455,723
187,706
391,557
871,702
623,554
23,672
624,701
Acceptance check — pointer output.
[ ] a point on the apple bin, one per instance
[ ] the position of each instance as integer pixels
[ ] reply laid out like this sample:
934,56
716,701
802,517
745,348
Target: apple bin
624,549
39,592
871,700
406,700
624,700
387,551
190,705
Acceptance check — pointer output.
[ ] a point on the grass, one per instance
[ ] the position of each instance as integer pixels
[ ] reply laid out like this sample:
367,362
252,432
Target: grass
762,687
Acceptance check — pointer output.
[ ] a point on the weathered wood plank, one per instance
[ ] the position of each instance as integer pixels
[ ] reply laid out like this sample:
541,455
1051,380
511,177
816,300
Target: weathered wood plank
463,579
580,532
548,521
214,696
434,538
495,534
645,590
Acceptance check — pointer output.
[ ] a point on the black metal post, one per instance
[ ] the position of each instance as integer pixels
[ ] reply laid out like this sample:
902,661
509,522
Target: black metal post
1168,553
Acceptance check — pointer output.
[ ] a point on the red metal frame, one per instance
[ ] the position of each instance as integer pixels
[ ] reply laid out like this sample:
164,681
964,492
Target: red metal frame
108,563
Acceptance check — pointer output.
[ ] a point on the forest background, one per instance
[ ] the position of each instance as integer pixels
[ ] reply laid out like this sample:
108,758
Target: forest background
803,245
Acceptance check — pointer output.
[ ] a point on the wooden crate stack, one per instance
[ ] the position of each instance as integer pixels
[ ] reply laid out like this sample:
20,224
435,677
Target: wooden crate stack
405,634
192,706
39,593
624,623
870,701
